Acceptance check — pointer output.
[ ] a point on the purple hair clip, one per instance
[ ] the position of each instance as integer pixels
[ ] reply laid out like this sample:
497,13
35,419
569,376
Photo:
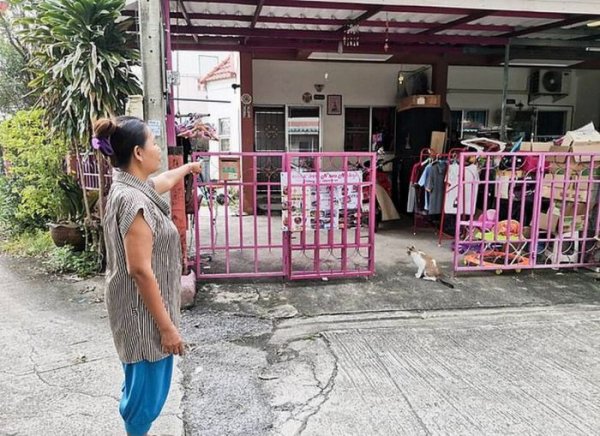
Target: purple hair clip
102,144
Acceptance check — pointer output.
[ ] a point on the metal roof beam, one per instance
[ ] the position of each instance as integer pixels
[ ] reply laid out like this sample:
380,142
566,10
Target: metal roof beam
452,24
302,4
297,45
338,22
185,15
321,35
362,17
562,23
257,12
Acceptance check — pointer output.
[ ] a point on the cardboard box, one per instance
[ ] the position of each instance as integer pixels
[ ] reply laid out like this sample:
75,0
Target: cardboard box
572,187
416,101
550,221
557,159
537,147
577,163
554,186
581,141
581,138
587,147
438,141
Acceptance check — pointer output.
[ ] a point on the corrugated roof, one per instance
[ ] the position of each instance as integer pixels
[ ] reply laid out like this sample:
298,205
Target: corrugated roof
285,27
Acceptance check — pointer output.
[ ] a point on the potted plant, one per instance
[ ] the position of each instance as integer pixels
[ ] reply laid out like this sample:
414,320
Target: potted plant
69,229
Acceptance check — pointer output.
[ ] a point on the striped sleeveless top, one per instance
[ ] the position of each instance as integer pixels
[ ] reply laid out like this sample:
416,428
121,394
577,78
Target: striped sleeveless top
135,333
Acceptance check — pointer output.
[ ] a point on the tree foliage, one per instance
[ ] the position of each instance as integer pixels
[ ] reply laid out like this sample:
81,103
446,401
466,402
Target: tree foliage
14,76
81,61
13,81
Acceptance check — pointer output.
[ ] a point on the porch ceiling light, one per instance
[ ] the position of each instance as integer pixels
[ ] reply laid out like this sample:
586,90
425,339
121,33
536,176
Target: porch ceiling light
594,23
356,57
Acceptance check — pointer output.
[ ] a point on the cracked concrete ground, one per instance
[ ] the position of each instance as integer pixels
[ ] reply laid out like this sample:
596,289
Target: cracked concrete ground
535,373
502,371
59,371
389,355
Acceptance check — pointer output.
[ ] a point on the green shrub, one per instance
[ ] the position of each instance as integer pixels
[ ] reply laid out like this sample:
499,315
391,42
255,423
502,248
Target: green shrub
31,244
30,194
58,260
64,260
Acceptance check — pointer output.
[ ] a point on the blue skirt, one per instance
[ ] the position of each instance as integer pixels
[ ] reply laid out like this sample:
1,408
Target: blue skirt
144,393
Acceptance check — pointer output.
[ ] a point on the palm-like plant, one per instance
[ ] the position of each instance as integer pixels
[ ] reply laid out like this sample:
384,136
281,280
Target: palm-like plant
81,62
82,59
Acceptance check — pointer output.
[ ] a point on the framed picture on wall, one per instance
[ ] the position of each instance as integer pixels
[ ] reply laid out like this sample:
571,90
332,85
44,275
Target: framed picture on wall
334,105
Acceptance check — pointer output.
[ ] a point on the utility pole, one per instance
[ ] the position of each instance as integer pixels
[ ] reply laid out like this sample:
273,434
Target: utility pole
151,49
155,50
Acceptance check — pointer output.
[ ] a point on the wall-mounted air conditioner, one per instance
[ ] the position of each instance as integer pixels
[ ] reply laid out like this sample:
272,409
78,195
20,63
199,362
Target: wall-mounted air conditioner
550,82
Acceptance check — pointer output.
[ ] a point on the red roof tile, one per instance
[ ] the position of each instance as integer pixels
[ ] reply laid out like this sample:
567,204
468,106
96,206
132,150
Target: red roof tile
223,71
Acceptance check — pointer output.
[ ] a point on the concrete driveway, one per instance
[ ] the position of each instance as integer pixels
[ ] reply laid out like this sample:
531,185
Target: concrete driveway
485,372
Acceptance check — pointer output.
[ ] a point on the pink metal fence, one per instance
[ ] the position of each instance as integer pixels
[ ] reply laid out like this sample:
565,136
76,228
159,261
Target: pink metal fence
518,211
91,172
310,215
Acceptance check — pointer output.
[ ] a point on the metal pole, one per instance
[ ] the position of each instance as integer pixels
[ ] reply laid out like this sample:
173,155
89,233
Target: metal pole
171,76
503,132
151,31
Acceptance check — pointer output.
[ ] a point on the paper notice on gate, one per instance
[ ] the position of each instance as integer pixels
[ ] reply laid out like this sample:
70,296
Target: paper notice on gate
293,200
307,204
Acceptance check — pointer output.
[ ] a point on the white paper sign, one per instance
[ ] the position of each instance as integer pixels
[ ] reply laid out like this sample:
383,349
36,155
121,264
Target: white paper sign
155,127
328,205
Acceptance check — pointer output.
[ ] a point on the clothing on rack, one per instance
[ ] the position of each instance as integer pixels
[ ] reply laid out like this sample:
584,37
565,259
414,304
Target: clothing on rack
427,188
435,187
412,189
471,189
423,183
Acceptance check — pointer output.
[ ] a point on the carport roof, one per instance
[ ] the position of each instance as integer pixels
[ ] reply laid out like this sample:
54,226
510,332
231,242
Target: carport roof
293,29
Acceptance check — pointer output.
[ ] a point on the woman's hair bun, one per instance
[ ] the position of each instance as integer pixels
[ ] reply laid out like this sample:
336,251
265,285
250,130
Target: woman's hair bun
104,128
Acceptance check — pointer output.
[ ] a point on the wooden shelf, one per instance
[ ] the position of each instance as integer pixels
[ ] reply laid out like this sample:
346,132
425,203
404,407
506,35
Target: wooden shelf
419,101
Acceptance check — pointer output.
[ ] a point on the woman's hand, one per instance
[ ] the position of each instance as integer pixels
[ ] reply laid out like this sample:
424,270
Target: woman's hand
195,167
166,181
171,341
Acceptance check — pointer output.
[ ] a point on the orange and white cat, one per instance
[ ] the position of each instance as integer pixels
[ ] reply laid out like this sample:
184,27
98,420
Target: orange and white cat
427,267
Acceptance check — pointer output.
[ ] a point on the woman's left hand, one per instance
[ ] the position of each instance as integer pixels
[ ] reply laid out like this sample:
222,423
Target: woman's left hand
195,167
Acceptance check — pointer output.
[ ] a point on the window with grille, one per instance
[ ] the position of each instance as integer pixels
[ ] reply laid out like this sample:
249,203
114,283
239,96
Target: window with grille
369,128
468,122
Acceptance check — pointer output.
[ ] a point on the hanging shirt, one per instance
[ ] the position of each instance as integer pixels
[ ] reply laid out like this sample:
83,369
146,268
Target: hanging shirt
412,191
469,193
435,187
423,183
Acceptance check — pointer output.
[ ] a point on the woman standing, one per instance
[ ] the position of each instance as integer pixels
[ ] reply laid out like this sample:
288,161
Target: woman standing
143,272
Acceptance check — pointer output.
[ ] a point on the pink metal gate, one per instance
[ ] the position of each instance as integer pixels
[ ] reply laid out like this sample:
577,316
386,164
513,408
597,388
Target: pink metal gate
519,211
292,215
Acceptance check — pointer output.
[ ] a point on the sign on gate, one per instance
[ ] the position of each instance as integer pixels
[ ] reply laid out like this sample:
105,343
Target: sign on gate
308,204
320,195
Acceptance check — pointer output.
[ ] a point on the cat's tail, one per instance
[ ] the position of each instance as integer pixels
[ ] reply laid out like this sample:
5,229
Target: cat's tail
446,283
